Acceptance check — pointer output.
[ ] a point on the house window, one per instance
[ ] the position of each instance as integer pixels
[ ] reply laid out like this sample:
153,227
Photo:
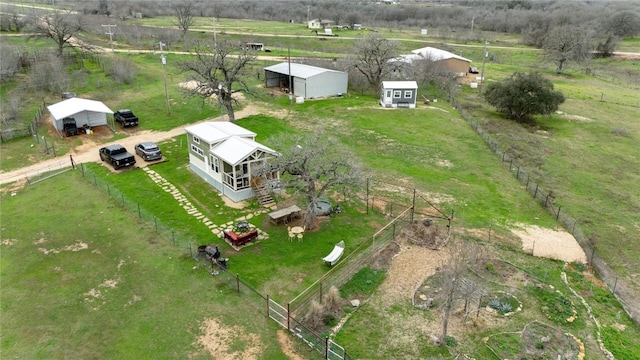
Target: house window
397,94
408,94
388,93
197,150
215,166
196,139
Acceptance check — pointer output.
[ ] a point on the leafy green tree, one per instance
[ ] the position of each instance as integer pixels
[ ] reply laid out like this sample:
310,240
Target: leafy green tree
523,95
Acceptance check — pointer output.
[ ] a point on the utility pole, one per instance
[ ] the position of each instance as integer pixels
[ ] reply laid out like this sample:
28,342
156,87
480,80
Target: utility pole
215,42
110,33
289,60
484,59
164,75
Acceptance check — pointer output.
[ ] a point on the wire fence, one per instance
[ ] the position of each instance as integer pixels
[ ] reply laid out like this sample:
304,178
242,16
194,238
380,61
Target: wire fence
29,130
626,290
293,316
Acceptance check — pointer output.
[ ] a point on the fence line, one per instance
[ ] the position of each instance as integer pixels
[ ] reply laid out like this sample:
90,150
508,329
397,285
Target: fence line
625,293
284,316
46,172
28,130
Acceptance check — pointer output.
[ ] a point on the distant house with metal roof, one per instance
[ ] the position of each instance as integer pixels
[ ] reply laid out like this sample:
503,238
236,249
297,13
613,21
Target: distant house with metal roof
396,94
443,61
307,81
227,157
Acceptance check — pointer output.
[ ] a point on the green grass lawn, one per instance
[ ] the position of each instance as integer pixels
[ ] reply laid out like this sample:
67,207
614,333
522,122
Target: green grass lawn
92,282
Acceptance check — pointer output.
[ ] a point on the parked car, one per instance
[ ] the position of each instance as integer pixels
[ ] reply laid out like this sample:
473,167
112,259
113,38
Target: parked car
149,151
473,70
69,126
125,117
117,155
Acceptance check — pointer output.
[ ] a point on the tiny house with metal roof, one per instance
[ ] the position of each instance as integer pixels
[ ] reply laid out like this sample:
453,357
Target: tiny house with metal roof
395,94
227,157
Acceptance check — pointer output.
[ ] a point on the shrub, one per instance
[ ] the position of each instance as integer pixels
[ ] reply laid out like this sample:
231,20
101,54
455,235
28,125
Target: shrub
450,341
332,301
122,70
316,316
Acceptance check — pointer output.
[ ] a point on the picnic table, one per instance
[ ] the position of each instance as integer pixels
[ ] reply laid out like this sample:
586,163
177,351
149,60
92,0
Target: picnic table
284,214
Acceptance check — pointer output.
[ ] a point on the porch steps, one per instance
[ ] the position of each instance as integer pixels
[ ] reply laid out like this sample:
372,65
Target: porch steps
262,192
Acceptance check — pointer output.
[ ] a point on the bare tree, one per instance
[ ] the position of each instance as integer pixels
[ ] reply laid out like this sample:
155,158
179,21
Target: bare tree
216,70
566,43
45,75
607,47
10,64
184,16
316,163
457,283
58,27
624,24
373,53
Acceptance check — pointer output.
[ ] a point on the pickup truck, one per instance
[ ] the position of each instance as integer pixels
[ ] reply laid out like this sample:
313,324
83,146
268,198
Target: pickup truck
69,126
125,117
117,155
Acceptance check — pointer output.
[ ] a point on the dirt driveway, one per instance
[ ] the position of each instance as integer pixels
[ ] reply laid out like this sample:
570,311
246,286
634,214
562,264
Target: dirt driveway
88,151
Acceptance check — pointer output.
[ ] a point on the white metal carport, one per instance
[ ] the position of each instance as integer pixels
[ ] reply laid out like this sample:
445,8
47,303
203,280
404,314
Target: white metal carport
84,111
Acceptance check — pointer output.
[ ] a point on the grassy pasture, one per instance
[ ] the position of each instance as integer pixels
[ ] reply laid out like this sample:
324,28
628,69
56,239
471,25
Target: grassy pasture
127,294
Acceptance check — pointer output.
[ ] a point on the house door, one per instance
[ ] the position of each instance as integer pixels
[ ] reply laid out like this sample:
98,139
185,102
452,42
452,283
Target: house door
387,97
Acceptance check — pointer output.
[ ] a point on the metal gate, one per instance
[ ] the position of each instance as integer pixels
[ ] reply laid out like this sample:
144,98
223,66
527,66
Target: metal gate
278,313
335,351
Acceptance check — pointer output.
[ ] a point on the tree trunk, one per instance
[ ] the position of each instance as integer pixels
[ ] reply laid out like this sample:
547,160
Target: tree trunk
445,323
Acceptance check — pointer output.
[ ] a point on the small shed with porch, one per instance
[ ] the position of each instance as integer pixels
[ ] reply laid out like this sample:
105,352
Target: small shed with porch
84,111
307,81
395,94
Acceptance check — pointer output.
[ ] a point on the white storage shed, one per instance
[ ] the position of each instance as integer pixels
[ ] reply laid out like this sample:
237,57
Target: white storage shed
308,81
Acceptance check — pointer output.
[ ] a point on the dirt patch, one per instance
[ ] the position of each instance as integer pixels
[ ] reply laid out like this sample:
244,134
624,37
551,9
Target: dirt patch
7,242
75,247
574,117
228,342
551,244
426,234
14,187
286,344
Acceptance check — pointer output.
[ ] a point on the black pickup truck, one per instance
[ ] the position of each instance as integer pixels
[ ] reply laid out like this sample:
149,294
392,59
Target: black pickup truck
69,126
125,117
117,155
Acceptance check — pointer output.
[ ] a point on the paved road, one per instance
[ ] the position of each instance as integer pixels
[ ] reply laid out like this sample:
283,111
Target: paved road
88,152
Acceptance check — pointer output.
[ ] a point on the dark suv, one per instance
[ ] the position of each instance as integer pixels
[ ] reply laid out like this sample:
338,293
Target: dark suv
149,151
